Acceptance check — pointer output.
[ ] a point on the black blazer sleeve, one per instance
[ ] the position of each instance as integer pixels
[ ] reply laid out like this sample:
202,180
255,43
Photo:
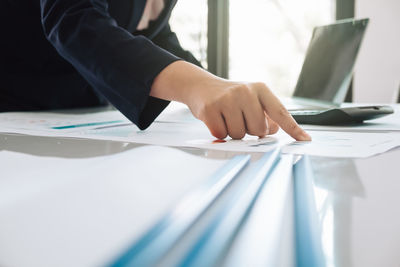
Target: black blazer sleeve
116,63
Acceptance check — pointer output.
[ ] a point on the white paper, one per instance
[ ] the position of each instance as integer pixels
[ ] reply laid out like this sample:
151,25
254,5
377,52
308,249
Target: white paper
85,212
177,127
53,122
345,144
174,128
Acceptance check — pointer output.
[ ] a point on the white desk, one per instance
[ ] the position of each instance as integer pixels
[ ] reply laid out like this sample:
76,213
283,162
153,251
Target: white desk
358,200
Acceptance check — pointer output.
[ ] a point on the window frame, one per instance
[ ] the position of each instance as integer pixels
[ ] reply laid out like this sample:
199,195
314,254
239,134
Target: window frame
218,38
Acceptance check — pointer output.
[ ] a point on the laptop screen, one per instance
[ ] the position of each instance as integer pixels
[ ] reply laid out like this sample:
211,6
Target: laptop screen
328,65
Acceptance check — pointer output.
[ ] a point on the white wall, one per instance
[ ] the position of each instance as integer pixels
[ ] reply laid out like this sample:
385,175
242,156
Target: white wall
377,71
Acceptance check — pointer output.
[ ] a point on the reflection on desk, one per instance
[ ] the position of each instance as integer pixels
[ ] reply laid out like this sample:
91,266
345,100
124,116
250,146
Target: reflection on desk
356,200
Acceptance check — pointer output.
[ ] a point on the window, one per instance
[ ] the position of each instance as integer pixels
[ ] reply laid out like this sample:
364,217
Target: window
268,39
189,21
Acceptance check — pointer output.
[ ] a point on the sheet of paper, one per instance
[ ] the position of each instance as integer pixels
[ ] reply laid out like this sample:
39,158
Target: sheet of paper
345,144
85,212
174,128
53,122
177,127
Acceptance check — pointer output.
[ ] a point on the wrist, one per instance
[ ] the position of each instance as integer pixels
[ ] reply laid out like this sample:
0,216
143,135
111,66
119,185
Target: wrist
180,81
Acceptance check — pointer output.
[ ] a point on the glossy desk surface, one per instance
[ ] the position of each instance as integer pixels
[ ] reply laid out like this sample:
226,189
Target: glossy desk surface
357,199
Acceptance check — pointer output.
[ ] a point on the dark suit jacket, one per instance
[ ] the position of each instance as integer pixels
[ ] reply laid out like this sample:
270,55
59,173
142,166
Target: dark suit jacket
58,54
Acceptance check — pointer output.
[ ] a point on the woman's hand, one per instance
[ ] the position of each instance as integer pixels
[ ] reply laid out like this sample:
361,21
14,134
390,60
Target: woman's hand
226,107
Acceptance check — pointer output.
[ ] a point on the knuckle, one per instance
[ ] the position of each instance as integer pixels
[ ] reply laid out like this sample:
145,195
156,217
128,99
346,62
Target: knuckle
261,87
244,88
207,110
241,91
228,98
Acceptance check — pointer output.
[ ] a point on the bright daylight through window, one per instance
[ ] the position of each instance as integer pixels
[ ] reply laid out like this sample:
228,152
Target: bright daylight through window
267,39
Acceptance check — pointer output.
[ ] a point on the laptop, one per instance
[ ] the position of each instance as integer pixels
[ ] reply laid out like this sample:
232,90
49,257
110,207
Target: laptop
326,75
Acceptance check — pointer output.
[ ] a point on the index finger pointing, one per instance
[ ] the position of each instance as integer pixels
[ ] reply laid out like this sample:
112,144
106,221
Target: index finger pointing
276,111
